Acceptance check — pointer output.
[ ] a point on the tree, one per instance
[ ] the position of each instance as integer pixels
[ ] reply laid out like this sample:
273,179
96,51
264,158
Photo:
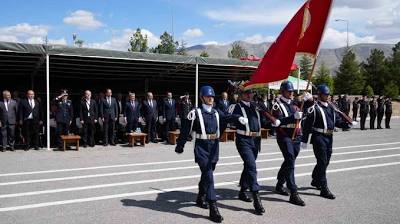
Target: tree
305,66
323,76
375,71
79,43
237,51
368,91
394,65
204,54
167,45
348,78
391,90
138,42
182,48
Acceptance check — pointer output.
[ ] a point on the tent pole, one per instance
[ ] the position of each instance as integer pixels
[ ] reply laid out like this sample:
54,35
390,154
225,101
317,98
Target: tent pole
298,82
197,84
48,101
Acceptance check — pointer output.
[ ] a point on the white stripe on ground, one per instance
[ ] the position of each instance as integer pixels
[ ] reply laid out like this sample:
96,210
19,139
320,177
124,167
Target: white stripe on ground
175,178
141,193
167,162
170,169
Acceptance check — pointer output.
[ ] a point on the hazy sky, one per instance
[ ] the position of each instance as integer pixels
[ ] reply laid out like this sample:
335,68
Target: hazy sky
109,24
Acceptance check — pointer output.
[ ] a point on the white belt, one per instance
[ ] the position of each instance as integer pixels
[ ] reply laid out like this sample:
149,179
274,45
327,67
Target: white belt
323,131
206,137
288,126
252,134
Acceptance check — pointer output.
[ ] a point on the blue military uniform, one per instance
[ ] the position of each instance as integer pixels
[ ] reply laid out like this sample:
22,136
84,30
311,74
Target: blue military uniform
205,127
284,110
320,121
63,116
248,144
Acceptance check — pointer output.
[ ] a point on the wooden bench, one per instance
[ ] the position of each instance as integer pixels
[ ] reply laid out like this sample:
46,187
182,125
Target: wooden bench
137,137
264,133
173,136
70,139
229,134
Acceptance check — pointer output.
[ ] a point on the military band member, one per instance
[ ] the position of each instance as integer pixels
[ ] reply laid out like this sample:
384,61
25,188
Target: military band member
88,115
372,113
63,115
388,112
380,110
206,126
364,109
287,111
320,121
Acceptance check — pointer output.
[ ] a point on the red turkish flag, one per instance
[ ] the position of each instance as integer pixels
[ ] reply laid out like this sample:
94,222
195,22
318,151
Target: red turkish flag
278,60
302,34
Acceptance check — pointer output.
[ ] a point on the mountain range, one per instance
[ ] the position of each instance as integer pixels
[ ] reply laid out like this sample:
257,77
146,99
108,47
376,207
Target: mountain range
330,57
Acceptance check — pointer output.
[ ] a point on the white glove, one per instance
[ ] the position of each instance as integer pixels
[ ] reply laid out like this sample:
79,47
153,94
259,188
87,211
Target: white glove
307,96
298,115
243,120
303,145
277,123
164,120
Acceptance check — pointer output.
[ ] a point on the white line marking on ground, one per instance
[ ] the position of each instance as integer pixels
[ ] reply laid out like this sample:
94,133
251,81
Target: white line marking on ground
167,162
131,194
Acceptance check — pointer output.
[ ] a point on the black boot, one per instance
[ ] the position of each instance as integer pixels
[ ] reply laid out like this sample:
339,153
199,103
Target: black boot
214,213
280,190
257,203
243,196
296,200
201,201
315,184
326,193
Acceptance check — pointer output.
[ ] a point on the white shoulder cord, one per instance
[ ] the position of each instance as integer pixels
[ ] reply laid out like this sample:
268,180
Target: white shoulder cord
217,117
245,116
202,127
283,108
323,118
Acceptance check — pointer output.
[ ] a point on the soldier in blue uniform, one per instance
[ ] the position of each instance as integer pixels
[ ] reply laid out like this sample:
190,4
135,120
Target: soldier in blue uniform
320,121
63,115
287,112
206,124
248,144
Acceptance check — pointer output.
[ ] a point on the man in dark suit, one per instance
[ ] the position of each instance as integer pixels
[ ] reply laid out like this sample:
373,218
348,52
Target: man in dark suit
8,120
30,118
150,113
372,113
223,104
88,116
63,114
132,113
169,114
120,126
109,115
380,111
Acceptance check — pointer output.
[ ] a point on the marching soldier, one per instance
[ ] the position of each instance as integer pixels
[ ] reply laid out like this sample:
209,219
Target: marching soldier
248,144
88,116
206,124
63,114
380,111
364,109
388,112
372,113
320,121
287,112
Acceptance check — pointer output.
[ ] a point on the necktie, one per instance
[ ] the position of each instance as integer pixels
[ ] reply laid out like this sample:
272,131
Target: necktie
7,105
109,101
170,102
133,104
151,103
31,103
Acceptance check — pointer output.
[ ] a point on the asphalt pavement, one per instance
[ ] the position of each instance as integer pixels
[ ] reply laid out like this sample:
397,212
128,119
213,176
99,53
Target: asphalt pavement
153,184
